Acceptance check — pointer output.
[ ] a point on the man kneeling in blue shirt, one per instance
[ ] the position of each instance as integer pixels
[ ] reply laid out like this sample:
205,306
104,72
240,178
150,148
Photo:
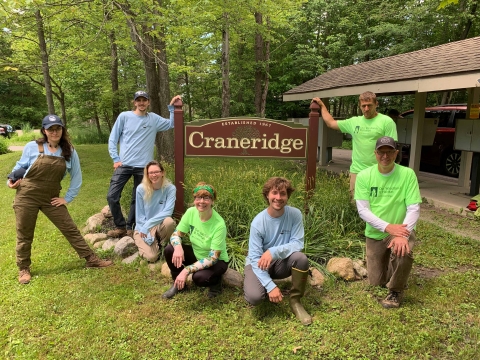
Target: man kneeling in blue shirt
276,239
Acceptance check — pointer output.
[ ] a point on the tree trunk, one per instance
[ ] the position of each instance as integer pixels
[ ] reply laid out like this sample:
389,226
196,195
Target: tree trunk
114,75
45,65
225,68
258,64
97,120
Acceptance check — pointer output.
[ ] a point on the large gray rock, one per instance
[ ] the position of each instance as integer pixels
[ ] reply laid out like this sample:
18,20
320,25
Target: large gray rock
94,238
342,267
94,223
233,278
106,212
360,270
317,278
130,259
125,247
110,243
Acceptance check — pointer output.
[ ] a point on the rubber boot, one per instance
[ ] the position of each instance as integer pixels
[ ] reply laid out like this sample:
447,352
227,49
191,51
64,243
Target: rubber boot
215,290
299,281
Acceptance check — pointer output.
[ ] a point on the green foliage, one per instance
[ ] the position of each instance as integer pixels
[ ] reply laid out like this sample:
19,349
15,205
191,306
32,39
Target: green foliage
3,146
87,135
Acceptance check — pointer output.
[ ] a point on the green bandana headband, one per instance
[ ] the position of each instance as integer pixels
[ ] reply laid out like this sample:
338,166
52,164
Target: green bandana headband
203,187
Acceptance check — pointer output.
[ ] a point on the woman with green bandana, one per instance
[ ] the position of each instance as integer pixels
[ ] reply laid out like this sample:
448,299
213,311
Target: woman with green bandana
206,258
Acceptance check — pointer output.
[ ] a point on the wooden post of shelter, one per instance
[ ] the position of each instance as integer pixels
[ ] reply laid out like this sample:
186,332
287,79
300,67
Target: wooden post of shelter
179,158
313,119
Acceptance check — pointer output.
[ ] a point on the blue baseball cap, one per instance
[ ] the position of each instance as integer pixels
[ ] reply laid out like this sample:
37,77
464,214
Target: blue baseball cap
51,120
141,94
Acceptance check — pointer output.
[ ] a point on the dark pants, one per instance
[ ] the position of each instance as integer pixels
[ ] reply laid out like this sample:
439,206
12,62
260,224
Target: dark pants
205,277
120,177
253,289
384,267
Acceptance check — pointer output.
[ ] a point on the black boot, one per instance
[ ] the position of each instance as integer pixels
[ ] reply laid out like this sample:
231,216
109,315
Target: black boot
215,290
170,293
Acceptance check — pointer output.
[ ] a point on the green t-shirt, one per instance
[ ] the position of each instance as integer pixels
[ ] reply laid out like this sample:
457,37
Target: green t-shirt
389,195
365,133
205,236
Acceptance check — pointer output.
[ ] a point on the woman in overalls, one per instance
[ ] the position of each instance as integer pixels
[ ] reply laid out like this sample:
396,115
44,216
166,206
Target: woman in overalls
46,161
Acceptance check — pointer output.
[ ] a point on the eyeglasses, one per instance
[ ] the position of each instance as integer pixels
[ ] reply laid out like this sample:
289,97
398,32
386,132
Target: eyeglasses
204,198
154,172
54,129
388,153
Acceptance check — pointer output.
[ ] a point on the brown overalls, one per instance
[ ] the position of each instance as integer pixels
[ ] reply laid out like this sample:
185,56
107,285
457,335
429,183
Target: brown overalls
35,192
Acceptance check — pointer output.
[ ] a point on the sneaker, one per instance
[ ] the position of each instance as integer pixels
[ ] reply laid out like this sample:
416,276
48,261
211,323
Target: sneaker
117,233
392,300
24,276
130,233
93,261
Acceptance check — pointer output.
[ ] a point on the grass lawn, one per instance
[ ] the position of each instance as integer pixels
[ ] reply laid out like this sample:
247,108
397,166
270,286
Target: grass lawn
69,312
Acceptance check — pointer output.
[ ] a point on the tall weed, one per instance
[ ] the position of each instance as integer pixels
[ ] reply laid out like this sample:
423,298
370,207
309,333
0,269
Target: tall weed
332,225
87,135
3,146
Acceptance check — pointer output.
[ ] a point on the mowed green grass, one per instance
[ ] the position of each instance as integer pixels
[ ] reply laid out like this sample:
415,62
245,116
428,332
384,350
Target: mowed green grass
69,312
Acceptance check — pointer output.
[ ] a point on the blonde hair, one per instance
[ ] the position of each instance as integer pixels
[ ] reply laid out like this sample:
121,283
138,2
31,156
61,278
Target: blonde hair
147,184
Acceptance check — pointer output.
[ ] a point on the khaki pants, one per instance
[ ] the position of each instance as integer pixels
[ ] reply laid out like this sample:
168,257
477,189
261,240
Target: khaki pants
386,269
161,232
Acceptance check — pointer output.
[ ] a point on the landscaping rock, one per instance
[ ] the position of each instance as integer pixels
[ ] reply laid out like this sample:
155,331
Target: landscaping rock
317,279
106,212
125,246
233,278
94,222
94,238
99,244
130,259
166,271
110,243
157,266
342,267
360,270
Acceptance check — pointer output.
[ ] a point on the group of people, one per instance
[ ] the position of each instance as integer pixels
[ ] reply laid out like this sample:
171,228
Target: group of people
386,194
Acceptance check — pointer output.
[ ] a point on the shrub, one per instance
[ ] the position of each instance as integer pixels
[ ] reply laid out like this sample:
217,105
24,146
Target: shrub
3,146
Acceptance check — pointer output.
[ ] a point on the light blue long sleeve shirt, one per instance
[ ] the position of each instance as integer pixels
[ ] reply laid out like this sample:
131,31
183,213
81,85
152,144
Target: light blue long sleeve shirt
30,155
136,135
153,212
282,236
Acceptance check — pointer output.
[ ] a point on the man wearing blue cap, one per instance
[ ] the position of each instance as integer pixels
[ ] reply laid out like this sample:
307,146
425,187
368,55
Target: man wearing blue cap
135,131
388,200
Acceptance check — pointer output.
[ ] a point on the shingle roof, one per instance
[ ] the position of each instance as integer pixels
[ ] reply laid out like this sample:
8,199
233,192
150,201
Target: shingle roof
447,59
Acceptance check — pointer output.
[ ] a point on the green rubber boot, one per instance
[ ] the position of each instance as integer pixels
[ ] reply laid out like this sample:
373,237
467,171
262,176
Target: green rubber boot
299,281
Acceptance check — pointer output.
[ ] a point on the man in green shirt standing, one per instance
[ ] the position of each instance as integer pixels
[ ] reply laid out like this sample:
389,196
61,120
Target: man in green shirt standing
388,200
365,130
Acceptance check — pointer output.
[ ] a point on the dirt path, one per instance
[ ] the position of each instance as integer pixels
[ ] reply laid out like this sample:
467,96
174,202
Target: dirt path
453,223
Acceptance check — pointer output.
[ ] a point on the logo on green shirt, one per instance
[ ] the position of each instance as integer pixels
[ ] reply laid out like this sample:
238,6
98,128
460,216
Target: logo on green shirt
374,191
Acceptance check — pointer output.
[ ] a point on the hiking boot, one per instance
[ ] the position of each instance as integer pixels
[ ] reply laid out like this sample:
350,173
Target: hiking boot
215,290
130,233
93,261
392,300
117,233
24,276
